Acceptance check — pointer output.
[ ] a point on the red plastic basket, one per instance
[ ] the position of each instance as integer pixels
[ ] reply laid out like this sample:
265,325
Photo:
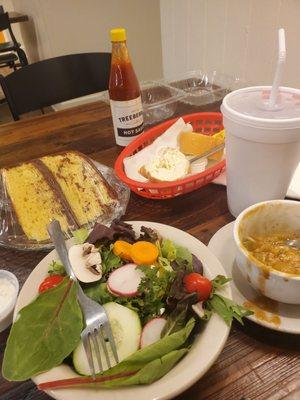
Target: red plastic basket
207,123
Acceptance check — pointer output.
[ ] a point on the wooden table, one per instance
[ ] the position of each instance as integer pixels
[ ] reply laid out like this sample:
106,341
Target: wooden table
256,363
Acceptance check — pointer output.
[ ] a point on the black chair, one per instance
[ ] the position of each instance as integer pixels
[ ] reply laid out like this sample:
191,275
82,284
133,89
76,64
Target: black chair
11,46
52,81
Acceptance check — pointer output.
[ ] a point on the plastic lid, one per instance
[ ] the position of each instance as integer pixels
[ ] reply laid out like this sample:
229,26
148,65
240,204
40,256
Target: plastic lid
250,106
118,35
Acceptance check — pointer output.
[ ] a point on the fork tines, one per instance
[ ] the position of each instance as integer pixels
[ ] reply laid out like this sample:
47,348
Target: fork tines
91,338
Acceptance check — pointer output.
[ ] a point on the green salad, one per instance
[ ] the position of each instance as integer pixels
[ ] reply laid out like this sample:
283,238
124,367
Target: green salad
155,294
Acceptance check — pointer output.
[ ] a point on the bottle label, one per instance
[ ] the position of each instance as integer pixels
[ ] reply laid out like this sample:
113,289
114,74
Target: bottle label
127,117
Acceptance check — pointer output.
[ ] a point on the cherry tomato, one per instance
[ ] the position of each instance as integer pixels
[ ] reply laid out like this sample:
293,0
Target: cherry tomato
195,282
50,282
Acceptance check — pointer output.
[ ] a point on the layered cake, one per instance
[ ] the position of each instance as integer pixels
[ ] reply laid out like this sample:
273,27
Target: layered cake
65,186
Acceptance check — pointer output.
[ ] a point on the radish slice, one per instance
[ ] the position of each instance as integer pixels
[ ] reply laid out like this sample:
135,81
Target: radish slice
198,308
124,281
152,331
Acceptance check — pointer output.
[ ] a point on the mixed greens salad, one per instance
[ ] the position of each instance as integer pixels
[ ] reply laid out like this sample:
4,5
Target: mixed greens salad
154,293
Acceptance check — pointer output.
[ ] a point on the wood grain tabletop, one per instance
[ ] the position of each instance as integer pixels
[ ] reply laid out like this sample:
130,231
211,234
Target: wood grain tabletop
256,363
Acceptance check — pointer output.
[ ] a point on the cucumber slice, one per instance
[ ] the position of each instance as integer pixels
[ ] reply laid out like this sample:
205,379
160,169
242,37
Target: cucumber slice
126,328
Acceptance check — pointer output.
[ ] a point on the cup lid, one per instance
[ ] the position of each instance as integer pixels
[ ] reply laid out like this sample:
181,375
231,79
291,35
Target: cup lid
251,107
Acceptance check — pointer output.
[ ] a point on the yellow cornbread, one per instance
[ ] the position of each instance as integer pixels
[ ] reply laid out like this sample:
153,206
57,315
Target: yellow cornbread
193,143
83,187
64,186
34,201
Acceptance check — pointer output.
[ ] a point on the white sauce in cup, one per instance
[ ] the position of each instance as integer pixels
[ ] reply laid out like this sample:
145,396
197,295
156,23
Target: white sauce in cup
7,293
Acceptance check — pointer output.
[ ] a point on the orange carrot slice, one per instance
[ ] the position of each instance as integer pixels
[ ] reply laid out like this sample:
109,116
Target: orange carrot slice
144,253
123,250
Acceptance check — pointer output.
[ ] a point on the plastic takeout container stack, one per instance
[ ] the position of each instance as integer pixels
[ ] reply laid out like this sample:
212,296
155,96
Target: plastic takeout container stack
191,90
201,88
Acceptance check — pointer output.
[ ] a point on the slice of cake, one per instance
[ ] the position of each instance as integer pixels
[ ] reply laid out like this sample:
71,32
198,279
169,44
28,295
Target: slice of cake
83,186
34,201
65,186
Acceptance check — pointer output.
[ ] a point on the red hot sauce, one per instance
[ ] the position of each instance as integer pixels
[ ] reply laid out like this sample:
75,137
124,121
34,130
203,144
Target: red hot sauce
124,92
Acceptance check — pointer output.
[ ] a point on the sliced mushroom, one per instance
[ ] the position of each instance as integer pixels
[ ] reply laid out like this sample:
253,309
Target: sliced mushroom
94,262
86,262
88,248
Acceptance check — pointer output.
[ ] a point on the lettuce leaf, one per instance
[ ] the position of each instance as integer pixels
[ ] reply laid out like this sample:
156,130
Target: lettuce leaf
98,292
168,249
153,289
56,268
227,309
109,260
175,253
218,282
45,333
177,318
80,235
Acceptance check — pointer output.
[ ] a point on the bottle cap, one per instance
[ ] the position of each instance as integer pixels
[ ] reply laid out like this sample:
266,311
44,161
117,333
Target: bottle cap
118,35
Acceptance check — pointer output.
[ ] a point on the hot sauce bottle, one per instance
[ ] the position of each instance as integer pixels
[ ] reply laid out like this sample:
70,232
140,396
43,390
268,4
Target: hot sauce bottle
124,92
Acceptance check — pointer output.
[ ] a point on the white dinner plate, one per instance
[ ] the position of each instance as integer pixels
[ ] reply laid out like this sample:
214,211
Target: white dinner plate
271,314
204,352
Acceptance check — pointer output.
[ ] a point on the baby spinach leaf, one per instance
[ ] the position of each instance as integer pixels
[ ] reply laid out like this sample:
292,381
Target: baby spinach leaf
151,372
45,333
160,356
156,350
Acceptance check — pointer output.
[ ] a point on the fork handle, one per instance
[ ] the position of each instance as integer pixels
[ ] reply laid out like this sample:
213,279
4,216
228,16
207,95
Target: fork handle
58,239
208,153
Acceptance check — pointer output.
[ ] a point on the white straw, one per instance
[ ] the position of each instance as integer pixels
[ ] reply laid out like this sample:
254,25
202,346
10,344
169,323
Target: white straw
279,69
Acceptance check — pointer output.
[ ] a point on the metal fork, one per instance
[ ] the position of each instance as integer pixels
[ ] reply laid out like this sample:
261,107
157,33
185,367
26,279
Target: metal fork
97,325
208,153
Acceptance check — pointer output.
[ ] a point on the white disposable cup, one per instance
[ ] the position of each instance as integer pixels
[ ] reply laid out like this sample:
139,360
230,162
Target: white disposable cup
261,154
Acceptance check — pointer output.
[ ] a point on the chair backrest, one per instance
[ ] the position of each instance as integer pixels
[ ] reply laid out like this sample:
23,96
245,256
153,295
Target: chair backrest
5,24
55,80
4,21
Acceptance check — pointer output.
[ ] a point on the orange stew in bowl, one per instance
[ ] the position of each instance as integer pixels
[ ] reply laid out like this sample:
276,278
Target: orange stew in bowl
273,252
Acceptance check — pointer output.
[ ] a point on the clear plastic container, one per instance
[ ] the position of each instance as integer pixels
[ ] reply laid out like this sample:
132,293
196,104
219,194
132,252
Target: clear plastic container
160,101
201,88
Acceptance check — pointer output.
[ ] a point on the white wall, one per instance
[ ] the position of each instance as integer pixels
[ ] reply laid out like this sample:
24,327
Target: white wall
233,36
61,27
